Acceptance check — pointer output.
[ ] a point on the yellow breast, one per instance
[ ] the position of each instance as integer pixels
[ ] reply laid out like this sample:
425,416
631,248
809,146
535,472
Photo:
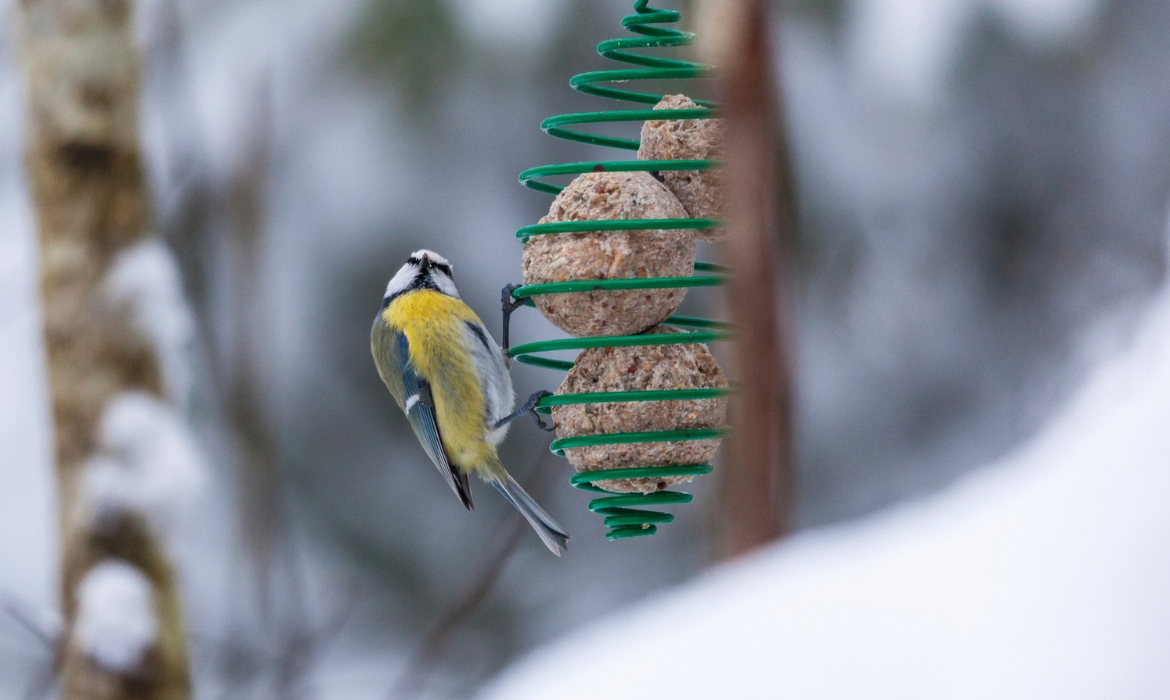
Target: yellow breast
434,327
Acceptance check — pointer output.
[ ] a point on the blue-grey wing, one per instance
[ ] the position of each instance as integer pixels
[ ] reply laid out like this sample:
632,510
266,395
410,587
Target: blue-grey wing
419,406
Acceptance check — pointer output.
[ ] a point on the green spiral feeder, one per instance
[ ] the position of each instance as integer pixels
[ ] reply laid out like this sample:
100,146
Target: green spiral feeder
623,515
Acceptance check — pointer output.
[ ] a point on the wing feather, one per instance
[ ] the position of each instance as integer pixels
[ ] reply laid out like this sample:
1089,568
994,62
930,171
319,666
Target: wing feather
417,402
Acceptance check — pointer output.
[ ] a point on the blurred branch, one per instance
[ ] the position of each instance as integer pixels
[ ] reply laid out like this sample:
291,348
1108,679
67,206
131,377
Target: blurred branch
191,201
192,208
511,533
46,631
240,661
430,651
757,487
25,616
202,211
243,381
245,378
304,652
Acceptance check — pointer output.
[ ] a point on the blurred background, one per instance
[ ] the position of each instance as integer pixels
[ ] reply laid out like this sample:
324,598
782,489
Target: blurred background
983,196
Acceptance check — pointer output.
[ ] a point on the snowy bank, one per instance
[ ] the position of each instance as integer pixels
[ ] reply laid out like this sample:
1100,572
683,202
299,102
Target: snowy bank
1043,576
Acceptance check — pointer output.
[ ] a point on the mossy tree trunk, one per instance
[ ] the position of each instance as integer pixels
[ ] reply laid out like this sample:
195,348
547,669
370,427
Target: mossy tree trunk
84,167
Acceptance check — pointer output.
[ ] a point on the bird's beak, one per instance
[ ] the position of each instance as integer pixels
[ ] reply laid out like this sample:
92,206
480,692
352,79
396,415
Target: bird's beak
426,264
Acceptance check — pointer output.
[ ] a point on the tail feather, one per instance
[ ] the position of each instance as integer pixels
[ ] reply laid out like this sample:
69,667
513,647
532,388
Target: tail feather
552,534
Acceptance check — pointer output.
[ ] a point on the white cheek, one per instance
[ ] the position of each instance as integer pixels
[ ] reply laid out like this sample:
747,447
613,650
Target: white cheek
402,279
445,285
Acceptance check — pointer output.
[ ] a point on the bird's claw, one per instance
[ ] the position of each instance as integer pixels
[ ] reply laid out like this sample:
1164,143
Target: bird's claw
536,416
541,424
507,306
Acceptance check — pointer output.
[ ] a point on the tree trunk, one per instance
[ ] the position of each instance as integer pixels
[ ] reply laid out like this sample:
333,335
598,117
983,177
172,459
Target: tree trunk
85,172
758,482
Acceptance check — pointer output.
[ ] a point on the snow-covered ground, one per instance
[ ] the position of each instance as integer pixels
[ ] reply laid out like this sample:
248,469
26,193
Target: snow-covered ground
1043,576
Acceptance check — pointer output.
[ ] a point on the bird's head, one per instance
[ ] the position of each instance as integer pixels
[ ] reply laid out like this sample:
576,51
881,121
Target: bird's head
425,269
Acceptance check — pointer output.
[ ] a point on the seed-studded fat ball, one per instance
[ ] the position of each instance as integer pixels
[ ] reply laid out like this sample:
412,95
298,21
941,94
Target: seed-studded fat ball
609,255
699,191
642,368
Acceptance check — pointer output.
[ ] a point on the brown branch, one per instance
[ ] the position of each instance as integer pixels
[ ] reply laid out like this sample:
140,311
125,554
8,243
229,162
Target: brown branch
757,485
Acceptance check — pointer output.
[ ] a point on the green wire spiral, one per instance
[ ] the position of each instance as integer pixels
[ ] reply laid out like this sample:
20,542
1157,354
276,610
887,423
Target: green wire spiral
622,515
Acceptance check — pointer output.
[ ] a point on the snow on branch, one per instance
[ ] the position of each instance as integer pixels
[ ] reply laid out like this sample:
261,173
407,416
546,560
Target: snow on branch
146,280
149,462
116,622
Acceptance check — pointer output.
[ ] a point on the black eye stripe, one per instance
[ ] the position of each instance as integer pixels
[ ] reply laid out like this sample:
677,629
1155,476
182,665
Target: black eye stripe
444,268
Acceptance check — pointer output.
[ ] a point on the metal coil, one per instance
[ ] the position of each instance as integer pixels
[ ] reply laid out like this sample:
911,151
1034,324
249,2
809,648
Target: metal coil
623,517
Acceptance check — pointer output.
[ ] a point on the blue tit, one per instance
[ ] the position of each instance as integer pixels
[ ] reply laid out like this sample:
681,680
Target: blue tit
449,377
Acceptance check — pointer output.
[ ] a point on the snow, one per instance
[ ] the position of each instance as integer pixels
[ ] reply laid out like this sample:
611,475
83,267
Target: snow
149,462
1043,576
116,622
145,278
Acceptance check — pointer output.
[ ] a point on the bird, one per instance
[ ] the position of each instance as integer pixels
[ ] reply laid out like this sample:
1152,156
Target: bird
451,380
